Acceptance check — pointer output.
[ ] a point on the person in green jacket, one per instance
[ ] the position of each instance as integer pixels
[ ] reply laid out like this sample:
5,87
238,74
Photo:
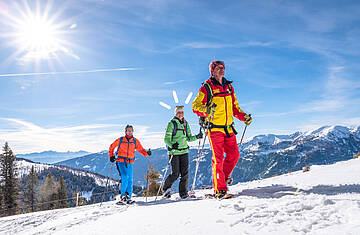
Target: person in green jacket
177,136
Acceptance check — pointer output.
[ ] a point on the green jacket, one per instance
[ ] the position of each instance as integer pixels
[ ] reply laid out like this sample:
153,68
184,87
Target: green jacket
180,136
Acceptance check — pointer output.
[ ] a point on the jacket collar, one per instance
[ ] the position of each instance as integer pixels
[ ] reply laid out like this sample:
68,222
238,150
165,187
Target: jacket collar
182,122
215,82
128,137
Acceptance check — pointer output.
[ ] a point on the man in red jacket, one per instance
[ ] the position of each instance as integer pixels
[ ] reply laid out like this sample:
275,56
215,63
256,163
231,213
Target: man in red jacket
125,158
218,91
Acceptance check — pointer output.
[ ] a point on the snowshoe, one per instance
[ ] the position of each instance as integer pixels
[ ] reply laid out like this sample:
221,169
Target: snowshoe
129,201
219,195
121,203
167,193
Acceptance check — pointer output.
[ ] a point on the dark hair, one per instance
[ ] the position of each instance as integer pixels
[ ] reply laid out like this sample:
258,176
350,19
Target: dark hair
128,126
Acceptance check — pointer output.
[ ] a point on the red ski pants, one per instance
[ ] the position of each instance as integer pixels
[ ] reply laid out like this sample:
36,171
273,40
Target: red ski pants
222,167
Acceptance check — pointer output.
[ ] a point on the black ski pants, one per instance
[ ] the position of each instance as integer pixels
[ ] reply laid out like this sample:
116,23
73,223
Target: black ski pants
179,166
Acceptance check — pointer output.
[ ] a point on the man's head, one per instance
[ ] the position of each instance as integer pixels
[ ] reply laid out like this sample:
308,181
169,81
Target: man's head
179,112
129,130
217,68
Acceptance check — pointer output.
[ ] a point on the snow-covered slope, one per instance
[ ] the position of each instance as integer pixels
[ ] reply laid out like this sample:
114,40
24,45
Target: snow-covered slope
24,167
325,200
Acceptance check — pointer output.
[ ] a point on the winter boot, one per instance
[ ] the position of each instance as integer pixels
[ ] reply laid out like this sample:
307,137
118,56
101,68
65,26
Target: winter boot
184,196
167,193
220,194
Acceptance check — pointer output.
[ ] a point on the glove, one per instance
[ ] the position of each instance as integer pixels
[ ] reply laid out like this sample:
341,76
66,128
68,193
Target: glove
175,146
248,119
149,152
199,136
112,159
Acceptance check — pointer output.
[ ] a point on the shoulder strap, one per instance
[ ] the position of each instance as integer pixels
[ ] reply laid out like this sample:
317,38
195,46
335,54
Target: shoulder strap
209,92
175,128
231,88
134,141
185,127
120,141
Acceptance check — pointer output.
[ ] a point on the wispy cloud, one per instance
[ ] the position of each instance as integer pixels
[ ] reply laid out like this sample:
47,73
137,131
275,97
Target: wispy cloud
174,82
215,45
27,137
66,72
336,93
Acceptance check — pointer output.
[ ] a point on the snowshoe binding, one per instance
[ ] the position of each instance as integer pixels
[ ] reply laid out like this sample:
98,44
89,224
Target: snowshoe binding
167,194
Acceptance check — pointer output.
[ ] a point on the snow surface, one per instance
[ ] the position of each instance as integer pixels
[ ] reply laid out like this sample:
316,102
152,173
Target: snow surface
325,200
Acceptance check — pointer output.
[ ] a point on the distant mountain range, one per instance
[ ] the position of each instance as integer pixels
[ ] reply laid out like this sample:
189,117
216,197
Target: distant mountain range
51,156
260,157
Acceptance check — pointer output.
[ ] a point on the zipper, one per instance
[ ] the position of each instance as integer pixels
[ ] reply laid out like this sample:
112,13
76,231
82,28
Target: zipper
226,113
127,152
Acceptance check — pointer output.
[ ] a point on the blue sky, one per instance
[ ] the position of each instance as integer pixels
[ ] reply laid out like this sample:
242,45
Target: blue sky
295,66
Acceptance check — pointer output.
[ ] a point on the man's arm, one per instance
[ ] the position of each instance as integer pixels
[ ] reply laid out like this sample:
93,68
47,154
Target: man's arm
199,104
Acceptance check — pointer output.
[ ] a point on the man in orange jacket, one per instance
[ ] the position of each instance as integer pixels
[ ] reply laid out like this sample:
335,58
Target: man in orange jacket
125,158
219,91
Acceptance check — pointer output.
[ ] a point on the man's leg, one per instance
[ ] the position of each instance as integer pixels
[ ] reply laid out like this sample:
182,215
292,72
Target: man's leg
124,177
129,188
216,139
232,155
184,174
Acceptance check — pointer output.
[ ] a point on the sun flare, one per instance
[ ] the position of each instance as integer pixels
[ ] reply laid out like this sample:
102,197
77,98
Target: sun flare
38,33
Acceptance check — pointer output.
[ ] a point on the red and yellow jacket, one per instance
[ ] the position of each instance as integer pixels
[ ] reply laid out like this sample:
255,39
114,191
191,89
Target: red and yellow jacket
126,150
227,104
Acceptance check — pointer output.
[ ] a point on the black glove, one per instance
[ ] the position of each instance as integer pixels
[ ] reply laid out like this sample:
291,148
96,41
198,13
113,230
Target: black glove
149,152
175,146
199,136
112,159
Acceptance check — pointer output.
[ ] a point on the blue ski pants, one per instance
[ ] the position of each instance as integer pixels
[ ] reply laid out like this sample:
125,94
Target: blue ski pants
126,171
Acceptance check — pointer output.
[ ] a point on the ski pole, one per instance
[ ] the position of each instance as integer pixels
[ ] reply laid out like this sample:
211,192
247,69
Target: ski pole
107,180
197,166
202,149
147,179
167,167
242,137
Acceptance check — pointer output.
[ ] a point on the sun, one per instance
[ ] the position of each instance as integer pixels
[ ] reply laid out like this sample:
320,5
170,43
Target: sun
38,33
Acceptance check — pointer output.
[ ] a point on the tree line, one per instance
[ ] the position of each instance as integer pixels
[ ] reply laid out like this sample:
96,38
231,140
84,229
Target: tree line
54,188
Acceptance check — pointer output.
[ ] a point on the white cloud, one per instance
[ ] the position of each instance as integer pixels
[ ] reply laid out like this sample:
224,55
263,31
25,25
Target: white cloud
25,137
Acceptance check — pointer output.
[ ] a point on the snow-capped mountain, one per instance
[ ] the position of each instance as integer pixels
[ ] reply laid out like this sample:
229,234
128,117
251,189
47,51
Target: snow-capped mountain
90,184
260,156
52,156
324,200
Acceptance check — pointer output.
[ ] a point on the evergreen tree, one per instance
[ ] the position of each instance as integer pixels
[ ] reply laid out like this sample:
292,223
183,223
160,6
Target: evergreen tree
1,197
8,180
62,194
153,186
30,195
48,194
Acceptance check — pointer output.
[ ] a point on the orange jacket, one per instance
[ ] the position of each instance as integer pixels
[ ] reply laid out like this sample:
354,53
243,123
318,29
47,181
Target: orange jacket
227,104
126,151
